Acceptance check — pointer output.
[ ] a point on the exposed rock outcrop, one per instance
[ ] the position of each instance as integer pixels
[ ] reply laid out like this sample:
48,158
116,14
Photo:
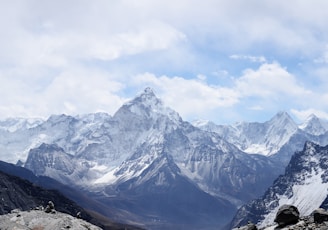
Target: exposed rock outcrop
287,214
37,219
320,215
17,193
50,207
249,226
287,218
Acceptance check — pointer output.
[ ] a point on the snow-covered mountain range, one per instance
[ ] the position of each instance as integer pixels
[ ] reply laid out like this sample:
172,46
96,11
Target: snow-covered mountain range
261,138
145,158
277,138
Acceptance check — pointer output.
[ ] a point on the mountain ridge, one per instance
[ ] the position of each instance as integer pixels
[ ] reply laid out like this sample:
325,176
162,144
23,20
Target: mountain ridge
109,157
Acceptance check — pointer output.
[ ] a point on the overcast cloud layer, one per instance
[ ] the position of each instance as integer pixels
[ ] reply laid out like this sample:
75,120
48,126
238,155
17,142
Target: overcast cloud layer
223,61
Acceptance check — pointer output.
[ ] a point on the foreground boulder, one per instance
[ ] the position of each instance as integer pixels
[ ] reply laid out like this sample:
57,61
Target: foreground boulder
50,208
320,215
287,214
288,218
249,226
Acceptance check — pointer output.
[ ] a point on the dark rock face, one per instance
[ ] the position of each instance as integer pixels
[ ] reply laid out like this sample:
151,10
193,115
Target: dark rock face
41,183
288,218
49,156
17,193
320,215
50,207
287,214
249,226
169,198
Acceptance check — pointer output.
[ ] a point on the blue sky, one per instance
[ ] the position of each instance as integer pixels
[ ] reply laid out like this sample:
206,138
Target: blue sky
224,61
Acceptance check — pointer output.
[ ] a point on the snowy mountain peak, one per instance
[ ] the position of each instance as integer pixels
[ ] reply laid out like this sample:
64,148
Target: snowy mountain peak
149,91
312,116
282,114
59,118
314,125
147,98
202,123
14,124
148,105
49,148
254,137
310,120
283,118
282,122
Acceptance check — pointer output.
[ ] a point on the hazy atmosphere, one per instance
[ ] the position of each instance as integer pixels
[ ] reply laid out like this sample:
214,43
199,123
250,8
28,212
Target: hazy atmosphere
224,61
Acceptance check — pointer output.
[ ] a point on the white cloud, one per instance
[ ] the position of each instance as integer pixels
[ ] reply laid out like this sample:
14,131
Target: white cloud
201,77
61,56
57,34
76,90
107,30
250,58
190,97
80,91
59,50
302,115
270,87
150,37
323,58
256,107
269,80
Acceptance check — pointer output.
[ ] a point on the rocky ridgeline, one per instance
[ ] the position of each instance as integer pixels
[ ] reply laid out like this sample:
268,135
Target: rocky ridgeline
42,218
288,218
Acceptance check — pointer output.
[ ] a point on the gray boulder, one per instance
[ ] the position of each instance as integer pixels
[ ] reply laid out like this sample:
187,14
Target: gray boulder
287,214
320,215
249,226
50,207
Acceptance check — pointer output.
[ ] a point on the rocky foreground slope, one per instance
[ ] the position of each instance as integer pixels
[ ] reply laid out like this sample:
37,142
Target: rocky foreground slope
40,220
18,193
288,218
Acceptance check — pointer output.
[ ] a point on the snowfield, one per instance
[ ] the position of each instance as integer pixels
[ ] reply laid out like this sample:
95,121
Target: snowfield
307,196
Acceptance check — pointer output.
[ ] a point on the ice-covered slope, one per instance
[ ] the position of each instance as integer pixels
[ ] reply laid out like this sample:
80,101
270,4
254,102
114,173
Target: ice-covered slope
304,184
